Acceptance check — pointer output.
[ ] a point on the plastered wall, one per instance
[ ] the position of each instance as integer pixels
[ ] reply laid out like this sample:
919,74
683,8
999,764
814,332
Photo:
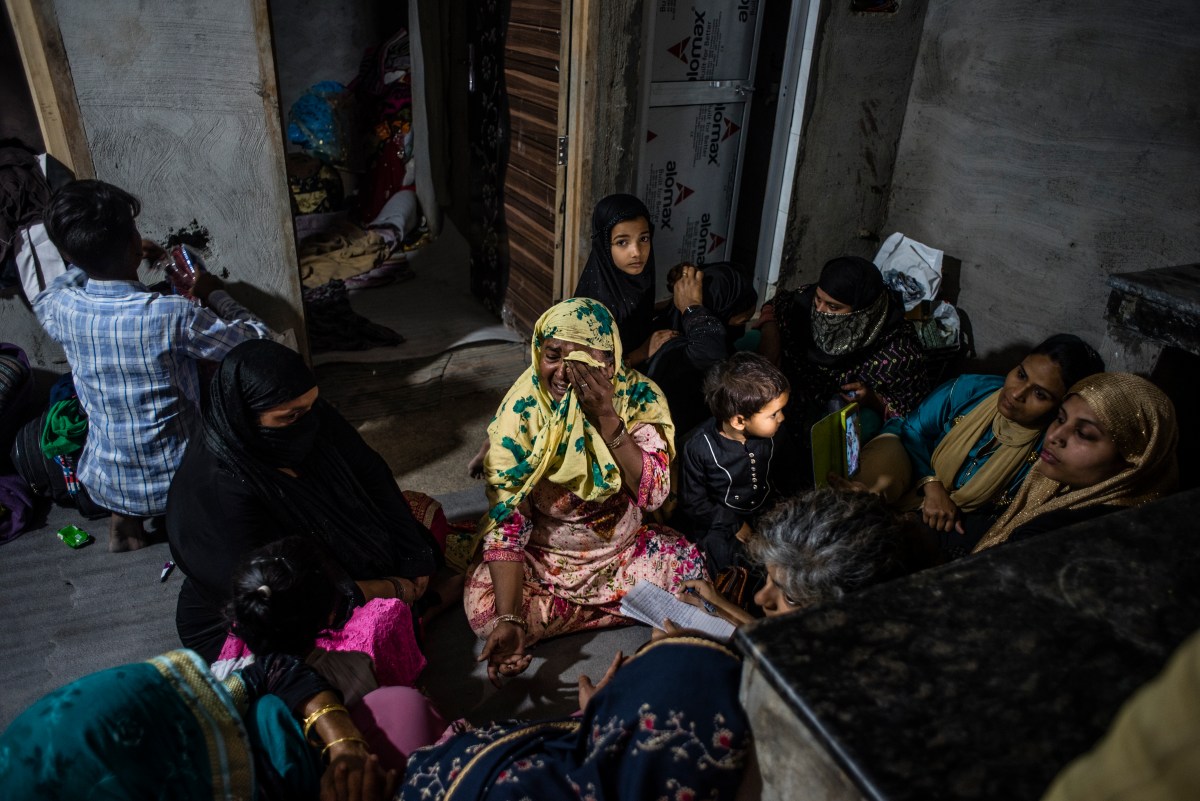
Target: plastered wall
178,110
861,75
1046,145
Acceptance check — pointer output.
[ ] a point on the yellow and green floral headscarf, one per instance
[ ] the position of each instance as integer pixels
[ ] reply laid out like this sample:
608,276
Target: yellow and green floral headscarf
533,436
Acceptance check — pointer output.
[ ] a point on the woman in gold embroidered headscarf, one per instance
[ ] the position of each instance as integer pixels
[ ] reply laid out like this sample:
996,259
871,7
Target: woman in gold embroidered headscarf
579,449
1112,447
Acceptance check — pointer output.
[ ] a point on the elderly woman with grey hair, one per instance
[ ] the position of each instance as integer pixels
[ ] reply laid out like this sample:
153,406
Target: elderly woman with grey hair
815,547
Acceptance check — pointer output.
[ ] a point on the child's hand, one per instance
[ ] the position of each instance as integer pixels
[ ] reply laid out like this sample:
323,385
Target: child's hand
658,339
860,393
744,533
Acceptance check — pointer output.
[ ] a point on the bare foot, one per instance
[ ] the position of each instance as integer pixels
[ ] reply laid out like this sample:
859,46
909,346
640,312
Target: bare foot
128,534
475,466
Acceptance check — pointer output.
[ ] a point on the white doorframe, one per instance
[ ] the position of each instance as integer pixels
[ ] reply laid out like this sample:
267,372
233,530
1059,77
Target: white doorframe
789,124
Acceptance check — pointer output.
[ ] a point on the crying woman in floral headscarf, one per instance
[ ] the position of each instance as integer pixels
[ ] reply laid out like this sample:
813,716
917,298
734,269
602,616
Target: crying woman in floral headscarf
580,451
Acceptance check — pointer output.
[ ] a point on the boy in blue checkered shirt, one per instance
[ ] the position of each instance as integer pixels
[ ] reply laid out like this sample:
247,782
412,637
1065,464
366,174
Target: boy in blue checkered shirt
133,354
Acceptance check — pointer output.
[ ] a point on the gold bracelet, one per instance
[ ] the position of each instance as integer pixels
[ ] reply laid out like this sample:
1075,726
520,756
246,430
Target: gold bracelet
311,720
516,620
927,480
618,438
352,738
398,588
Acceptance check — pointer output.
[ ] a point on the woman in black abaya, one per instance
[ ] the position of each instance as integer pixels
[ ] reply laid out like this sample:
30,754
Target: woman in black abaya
274,460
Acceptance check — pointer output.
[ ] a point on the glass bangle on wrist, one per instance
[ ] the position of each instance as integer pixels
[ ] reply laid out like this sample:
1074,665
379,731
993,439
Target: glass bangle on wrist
618,438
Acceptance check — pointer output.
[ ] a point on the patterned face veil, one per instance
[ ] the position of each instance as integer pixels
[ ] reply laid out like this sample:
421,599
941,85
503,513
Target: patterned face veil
839,334
857,283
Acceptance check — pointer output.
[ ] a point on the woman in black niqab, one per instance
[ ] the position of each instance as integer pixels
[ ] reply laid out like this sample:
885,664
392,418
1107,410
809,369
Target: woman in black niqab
243,484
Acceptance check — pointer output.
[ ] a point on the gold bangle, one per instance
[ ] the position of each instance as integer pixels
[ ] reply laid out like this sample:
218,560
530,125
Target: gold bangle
311,720
618,438
397,587
352,738
516,620
928,480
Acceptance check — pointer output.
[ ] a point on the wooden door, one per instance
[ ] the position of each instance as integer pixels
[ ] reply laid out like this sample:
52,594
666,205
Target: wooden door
517,117
532,185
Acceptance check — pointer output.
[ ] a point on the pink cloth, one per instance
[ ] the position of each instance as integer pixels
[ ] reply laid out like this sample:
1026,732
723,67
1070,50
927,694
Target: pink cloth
395,722
382,629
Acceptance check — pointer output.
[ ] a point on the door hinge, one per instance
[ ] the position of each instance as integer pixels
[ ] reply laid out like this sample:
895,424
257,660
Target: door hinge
562,150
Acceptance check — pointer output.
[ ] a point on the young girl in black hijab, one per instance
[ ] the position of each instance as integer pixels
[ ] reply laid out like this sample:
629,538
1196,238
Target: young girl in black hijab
274,459
620,272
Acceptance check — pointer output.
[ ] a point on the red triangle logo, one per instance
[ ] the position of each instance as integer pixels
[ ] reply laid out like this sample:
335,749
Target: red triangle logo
730,129
717,241
651,136
679,49
684,194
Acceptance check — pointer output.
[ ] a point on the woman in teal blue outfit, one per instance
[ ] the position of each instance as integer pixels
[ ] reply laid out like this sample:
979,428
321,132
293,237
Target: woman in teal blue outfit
167,729
962,453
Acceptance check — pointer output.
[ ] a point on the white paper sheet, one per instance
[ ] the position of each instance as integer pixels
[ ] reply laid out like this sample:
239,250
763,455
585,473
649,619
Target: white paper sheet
650,604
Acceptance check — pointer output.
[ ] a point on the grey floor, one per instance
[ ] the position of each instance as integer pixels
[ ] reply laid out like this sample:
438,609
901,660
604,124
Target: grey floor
72,612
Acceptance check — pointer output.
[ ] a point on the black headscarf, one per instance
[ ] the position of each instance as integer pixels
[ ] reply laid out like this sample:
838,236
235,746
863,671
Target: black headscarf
853,281
327,501
630,298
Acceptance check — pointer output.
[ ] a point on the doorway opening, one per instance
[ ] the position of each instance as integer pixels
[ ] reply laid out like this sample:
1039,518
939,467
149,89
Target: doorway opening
374,108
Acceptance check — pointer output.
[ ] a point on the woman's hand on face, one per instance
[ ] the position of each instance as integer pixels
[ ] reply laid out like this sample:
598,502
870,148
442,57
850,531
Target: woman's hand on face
689,289
658,339
587,689
353,777
594,390
938,511
504,651
860,393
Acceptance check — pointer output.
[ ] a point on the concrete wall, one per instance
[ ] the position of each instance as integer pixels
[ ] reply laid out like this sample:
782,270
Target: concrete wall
1046,145
857,105
178,110
316,40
